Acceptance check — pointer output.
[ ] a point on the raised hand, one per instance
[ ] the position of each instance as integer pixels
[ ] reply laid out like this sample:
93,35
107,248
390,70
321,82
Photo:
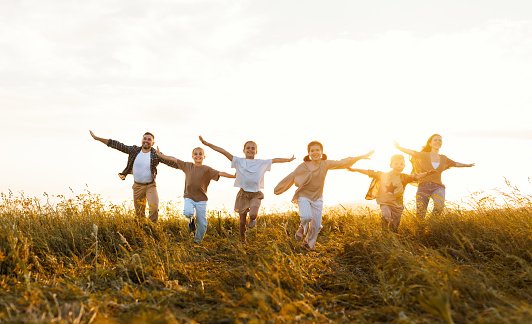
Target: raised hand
103,140
464,165
218,149
402,149
397,146
283,160
367,155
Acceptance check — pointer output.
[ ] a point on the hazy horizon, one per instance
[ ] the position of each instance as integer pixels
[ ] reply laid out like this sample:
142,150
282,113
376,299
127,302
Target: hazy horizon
355,76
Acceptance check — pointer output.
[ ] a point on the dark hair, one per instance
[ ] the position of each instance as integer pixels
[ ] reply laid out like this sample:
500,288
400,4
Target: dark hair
246,143
428,147
314,143
148,133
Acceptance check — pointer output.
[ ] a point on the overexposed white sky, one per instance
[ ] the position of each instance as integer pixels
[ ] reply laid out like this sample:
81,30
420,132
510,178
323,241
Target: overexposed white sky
354,75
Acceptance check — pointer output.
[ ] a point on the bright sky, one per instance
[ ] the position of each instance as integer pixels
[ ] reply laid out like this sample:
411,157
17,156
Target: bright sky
354,75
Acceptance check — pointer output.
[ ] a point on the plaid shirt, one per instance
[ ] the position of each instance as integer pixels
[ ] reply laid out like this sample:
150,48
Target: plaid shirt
133,151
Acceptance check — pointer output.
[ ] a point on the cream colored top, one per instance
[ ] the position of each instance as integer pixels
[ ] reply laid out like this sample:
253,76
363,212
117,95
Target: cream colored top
310,183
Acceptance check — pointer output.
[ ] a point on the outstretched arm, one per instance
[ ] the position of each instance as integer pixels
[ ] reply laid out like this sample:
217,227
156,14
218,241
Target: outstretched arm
348,162
402,149
227,175
365,156
103,140
285,184
353,160
366,172
217,149
463,165
424,174
165,157
281,160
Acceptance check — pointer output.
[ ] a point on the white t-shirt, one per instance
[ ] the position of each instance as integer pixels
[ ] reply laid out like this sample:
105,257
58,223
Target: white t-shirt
250,173
141,168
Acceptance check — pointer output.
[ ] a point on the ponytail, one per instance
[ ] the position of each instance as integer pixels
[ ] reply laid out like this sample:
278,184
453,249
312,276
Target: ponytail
307,158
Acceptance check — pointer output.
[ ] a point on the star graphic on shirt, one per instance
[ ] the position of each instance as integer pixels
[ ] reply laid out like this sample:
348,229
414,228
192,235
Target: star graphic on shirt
391,188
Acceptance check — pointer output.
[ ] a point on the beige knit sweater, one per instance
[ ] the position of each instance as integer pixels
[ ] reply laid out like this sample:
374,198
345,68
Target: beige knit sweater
310,183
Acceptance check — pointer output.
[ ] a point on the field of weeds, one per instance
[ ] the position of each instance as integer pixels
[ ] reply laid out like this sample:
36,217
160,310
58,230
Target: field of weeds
86,262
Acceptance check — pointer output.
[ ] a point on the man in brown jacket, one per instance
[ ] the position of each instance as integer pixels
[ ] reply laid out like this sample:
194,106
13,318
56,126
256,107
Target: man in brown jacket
142,163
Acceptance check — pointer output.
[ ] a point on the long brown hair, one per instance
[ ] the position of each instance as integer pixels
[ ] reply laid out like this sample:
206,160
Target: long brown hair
416,167
428,147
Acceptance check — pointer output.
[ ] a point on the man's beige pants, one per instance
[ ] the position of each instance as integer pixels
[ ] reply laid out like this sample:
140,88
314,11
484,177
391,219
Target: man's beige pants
141,192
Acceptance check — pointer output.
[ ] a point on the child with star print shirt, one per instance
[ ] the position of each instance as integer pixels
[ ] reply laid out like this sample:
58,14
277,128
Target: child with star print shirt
388,188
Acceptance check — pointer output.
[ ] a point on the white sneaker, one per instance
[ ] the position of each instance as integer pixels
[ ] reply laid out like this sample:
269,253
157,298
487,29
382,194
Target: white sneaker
252,223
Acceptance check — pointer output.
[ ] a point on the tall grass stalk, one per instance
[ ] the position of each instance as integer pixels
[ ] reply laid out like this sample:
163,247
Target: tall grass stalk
83,261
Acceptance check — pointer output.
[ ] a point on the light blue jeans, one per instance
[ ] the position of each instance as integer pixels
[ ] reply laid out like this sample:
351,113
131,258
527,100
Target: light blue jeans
201,216
425,191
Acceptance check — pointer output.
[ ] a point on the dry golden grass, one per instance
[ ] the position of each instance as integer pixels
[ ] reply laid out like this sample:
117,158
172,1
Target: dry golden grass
86,262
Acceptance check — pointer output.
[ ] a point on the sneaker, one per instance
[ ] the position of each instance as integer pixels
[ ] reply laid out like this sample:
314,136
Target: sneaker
192,224
252,223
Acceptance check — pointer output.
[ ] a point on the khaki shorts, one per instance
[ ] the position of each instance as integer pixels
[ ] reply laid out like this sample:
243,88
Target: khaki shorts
245,200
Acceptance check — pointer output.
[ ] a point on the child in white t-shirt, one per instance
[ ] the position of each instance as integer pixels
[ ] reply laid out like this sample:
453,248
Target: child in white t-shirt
250,179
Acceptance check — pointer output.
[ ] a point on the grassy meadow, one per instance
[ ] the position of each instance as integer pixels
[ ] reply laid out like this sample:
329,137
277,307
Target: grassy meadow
83,261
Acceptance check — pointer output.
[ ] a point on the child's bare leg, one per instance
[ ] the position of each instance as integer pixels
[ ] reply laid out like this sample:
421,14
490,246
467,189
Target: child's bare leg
254,212
254,209
242,225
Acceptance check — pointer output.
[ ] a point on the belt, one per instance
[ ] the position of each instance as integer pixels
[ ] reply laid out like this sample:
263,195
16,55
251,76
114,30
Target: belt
144,183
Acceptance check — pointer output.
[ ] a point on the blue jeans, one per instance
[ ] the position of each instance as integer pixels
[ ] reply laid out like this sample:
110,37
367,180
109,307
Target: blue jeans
201,216
425,191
